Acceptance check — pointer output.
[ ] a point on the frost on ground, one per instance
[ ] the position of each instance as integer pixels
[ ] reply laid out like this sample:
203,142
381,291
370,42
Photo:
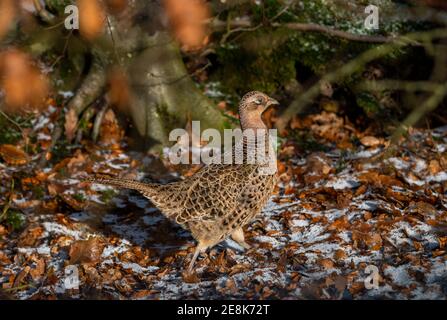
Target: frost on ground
333,215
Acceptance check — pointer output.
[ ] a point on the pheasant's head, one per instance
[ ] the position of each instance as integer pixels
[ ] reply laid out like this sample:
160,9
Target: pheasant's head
251,108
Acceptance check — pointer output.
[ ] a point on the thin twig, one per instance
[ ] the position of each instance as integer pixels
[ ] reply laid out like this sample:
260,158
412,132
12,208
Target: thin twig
42,12
62,55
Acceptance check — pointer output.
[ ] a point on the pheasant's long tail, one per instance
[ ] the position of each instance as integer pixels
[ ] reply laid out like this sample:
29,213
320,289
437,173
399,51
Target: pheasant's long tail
121,183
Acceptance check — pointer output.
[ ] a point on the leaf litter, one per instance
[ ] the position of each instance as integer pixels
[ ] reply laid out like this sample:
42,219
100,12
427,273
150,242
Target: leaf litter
335,212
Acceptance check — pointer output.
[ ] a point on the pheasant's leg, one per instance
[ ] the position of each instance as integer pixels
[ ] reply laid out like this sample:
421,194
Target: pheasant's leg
238,236
200,248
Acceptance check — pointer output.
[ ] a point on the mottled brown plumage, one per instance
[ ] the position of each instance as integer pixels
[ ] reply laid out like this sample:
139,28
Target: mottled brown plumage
219,199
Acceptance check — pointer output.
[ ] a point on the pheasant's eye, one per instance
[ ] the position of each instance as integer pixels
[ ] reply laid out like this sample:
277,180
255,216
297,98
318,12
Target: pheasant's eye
258,101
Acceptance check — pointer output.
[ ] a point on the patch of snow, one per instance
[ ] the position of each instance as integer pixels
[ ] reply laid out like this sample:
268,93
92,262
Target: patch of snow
52,227
364,154
312,234
439,177
399,164
420,165
300,223
343,183
399,275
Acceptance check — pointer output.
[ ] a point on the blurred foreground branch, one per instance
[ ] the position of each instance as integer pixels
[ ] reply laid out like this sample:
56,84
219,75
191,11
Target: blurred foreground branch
429,105
384,85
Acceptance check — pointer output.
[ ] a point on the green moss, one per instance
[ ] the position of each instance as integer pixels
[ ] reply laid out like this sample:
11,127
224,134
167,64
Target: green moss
14,219
58,6
79,197
108,195
170,121
368,103
9,132
38,192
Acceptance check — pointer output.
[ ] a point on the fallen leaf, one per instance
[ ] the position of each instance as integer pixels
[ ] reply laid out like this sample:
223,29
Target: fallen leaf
190,277
37,272
30,236
86,251
370,141
434,167
327,263
13,155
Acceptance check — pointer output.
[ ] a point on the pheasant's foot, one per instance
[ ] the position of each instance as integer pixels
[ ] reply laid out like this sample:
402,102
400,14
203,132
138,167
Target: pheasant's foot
199,249
238,236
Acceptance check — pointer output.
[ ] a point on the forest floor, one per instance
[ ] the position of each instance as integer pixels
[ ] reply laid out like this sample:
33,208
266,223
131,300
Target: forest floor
341,209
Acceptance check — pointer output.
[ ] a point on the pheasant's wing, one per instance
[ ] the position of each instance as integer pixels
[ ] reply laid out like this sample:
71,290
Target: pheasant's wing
213,192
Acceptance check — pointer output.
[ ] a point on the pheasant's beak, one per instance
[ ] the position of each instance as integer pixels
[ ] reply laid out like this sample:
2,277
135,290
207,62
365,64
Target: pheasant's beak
271,102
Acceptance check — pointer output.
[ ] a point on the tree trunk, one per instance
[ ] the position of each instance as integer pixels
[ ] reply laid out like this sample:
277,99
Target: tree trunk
162,94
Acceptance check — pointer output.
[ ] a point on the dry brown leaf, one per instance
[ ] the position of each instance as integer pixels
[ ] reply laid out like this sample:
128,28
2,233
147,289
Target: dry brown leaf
374,242
340,255
318,166
13,155
340,224
190,277
143,294
423,208
327,263
110,132
91,18
370,141
4,259
21,276
434,167
30,236
86,251
37,272
3,231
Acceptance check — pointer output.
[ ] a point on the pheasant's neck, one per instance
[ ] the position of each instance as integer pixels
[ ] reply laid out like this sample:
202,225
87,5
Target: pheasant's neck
252,121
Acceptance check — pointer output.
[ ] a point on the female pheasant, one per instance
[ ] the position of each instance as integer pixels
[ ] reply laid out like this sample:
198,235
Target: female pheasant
220,199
